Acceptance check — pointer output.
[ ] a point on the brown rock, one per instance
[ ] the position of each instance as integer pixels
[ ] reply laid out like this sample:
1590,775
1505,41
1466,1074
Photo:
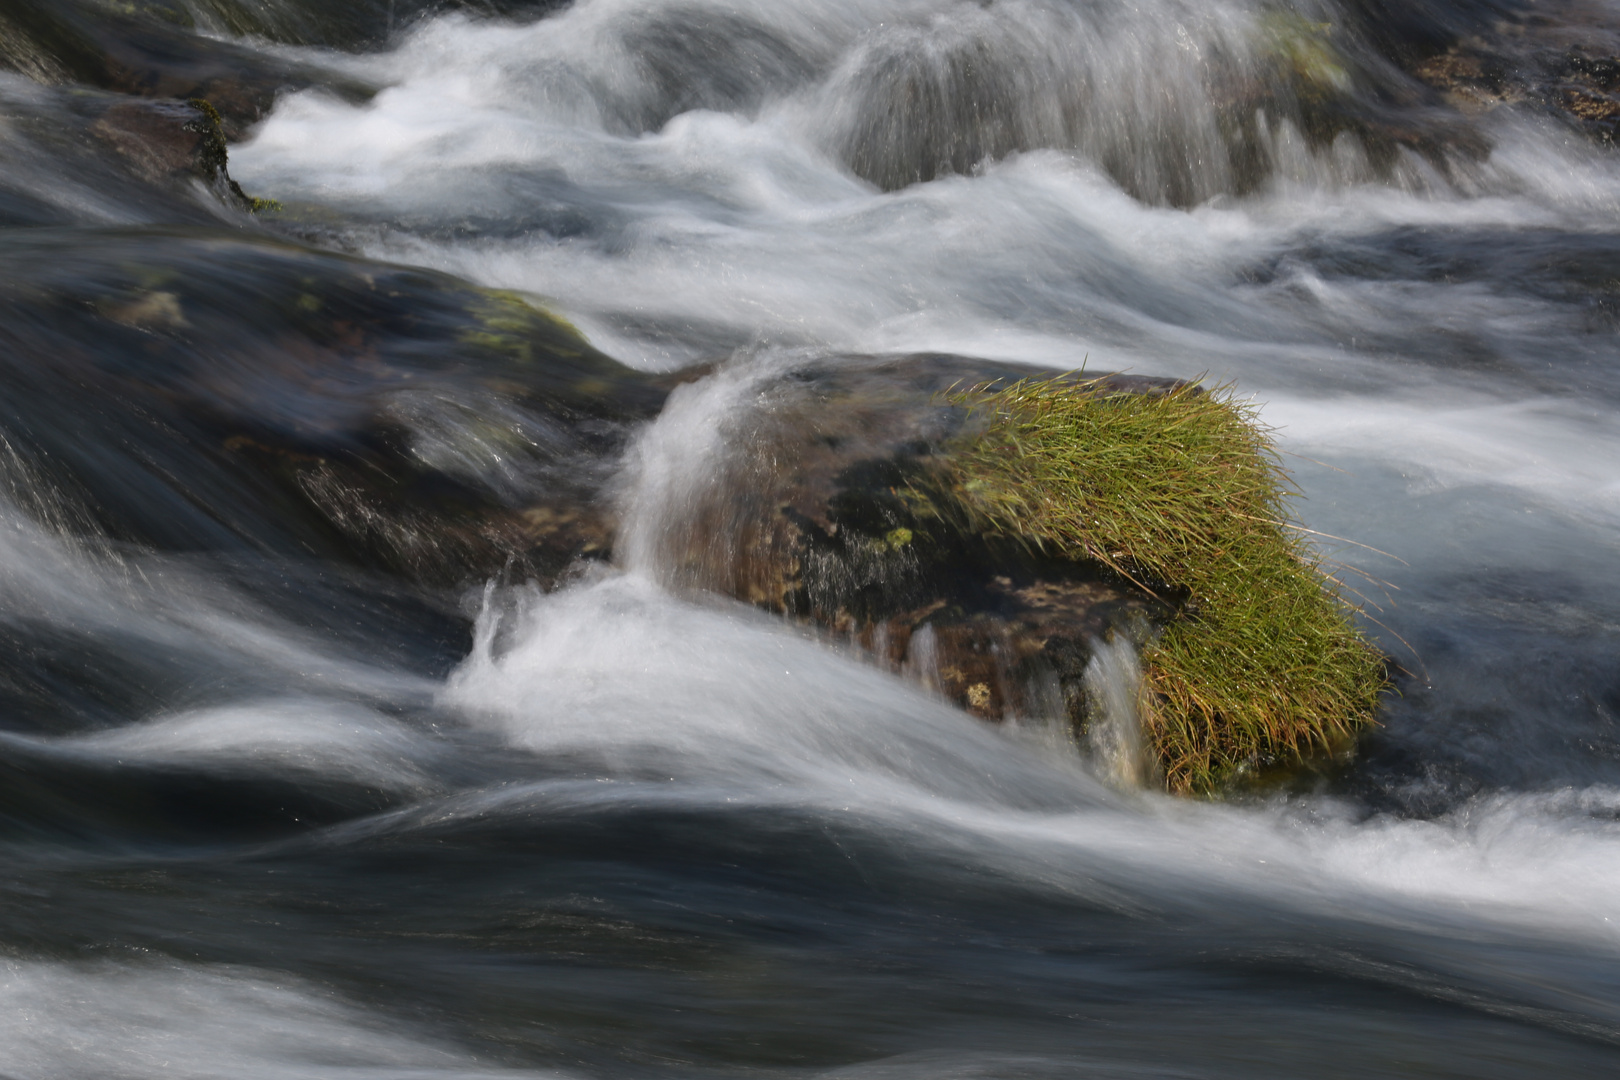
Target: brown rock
812,515
164,142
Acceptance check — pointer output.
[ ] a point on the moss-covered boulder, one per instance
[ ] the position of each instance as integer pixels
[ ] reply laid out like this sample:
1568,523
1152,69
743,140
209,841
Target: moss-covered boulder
1180,493
811,512
984,535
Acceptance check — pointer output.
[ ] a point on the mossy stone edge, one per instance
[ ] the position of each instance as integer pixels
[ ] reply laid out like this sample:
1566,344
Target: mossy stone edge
1180,490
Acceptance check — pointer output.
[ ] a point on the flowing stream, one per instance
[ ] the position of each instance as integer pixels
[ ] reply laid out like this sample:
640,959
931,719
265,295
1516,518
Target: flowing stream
265,814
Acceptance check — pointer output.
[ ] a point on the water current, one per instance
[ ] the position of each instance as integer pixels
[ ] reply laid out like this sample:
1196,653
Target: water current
266,812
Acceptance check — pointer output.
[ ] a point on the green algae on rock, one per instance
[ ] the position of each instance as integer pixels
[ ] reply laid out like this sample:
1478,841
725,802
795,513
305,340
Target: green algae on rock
1180,490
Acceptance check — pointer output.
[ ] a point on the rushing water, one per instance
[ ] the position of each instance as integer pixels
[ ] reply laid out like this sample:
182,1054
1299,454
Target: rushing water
265,813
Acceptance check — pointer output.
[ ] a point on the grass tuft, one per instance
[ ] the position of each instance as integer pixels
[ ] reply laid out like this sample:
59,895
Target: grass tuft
1182,490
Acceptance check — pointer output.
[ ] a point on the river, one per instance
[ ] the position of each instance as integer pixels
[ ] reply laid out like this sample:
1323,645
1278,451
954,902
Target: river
267,814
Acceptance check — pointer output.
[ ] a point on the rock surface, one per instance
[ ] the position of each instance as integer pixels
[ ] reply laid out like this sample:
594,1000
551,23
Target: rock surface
150,50
288,402
810,513
1563,57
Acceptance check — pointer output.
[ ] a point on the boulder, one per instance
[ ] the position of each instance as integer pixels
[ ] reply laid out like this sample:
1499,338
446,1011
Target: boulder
813,512
151,50
169,142
231,394
987,530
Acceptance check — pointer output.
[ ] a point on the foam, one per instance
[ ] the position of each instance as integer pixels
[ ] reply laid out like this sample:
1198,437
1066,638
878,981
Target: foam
285,738
167,1020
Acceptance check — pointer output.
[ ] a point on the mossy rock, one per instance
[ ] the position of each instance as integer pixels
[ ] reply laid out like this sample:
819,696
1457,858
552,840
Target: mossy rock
811,514
217,391
1178,492
984,540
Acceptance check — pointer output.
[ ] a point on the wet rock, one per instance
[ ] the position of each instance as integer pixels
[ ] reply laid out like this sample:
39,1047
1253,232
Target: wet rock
78,156
219,392
165,142
812,513
352,25
151,50
1167,128
1562,57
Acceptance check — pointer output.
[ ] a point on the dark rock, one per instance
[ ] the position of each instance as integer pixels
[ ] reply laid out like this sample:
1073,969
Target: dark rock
813,514
151,50
220,392
168,141
1562,57
355,24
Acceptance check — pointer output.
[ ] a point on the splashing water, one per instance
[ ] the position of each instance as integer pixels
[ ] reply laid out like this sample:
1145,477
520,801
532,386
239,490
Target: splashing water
1114,686
269,811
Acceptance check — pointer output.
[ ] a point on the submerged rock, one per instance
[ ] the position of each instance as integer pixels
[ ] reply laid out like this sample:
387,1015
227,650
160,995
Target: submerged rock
220,393
1563,58
209,391
1175,114
151,50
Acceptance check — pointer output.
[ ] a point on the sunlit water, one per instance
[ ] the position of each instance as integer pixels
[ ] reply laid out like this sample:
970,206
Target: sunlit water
269,819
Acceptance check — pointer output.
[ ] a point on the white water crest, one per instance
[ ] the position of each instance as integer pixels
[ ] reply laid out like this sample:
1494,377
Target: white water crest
286,738
154,1020
662,702
1114,693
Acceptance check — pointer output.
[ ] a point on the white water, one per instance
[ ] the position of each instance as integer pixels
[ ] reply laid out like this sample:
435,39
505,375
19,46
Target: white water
549,158
735,222
155,1020
712,703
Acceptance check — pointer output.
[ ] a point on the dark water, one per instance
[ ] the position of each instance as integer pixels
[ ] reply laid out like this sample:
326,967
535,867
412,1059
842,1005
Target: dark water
291,793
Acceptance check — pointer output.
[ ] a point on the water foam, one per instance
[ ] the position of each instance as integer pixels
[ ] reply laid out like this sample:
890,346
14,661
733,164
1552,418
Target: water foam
323,739
697,705
167,1020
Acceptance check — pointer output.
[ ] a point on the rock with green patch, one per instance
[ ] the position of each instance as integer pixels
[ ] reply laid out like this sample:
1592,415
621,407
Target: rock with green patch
238,394
1180,493
986,539
813,512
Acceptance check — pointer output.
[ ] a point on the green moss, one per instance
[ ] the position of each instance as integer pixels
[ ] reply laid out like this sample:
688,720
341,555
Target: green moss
1304,50
214,159
1181,491
513,325
214,154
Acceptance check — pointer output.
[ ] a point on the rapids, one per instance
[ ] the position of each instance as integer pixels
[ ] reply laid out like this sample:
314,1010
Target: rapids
268,810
